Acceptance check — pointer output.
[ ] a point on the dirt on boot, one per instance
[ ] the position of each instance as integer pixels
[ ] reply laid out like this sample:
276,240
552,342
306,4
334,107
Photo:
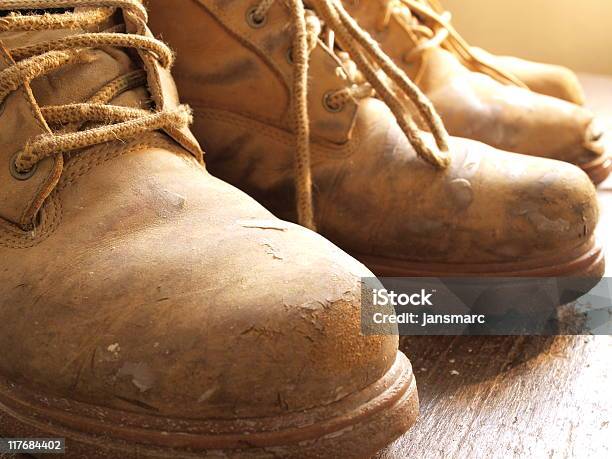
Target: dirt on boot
404,201
478,100
148,309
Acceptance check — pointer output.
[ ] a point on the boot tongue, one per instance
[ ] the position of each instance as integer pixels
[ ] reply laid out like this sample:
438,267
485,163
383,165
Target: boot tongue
78,82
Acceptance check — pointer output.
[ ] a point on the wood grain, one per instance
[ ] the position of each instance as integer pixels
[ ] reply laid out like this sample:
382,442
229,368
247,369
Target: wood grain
509,397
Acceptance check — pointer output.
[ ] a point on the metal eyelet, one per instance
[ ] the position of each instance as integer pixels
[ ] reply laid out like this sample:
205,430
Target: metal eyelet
21,176
253,21
289,55
327,103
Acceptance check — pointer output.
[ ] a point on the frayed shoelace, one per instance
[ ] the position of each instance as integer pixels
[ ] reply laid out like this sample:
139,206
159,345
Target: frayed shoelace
105,122
377,72
429,26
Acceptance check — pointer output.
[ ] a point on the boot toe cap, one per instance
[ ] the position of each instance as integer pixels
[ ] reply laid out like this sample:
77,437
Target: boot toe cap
284,337
243,317
545,206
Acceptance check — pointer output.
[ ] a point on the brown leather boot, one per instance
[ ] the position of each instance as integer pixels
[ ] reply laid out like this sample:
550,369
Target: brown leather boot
489,104
551,80
403,206
148,309
548,79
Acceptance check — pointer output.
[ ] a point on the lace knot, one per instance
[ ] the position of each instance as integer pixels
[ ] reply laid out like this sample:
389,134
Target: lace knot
82,125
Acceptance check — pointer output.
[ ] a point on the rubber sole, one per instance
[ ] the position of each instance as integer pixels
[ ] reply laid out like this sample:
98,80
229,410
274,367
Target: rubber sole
586,260
356,426
574,273
599,169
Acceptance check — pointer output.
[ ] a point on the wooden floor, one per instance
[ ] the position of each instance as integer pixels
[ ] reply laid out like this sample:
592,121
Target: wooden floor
528,397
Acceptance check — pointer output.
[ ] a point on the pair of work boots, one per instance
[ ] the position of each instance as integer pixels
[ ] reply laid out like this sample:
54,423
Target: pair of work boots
151,310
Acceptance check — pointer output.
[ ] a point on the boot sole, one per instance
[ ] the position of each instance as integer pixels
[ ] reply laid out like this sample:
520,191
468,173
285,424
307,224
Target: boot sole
576,272
355,426
587,260
599,169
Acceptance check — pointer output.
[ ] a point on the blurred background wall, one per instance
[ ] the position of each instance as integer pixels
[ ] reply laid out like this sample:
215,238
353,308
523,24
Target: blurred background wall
576,33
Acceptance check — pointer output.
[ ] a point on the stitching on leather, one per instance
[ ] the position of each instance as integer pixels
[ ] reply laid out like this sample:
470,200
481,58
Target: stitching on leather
237,120
249,41
274,122
12,237
45,128
42,185
78,167
345,150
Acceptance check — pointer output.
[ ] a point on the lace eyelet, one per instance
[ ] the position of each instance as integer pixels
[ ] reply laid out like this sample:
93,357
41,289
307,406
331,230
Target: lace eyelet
21,176
328,105
289,55
253,21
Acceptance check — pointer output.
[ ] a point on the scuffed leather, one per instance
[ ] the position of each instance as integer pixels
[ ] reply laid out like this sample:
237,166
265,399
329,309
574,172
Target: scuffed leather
156,288
150,286
373,196
475,106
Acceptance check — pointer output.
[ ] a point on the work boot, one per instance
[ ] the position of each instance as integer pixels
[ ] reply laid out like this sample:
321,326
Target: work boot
148,309
548,79
488,105
407,203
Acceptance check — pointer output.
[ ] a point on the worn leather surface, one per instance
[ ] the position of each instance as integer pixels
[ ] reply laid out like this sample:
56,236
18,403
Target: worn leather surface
475,106
373,196
244,84
549,79
148,285
21,201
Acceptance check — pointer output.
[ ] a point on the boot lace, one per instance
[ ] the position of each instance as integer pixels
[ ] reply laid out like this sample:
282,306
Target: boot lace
428,26
368,68
81,125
